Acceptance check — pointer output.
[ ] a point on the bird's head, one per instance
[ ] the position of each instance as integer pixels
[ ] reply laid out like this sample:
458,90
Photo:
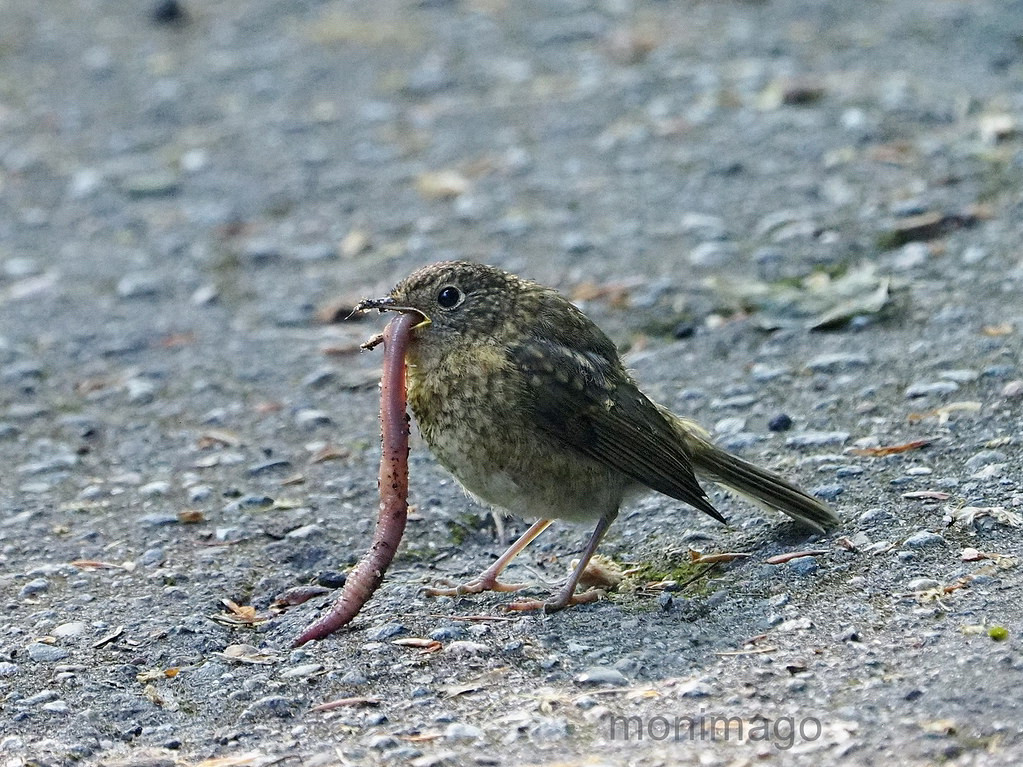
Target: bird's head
458,300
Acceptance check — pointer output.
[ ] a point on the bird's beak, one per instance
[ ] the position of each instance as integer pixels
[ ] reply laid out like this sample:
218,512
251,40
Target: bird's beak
387,304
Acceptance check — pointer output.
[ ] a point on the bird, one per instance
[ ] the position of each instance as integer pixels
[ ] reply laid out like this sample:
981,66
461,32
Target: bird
527,402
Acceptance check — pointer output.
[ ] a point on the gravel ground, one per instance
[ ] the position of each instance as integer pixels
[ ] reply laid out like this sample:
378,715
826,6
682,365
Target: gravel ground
185,203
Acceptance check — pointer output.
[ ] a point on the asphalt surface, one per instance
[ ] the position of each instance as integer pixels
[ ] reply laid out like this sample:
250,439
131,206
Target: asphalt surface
189,202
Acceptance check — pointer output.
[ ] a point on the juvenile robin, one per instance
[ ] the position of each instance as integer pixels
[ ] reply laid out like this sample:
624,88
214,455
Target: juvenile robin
526,402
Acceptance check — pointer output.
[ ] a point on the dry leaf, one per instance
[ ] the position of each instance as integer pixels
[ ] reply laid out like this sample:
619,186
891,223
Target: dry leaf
926,495
246,653
707,559
238,615
218,438
779,559
346,703
93,564
968,515
442,185
943,413
329,453
892,449
600,572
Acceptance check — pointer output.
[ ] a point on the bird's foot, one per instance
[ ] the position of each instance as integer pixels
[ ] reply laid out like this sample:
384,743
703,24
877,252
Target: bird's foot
475,586
553,605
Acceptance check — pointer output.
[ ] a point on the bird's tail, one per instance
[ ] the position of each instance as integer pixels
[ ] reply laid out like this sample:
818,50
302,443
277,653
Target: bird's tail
759,485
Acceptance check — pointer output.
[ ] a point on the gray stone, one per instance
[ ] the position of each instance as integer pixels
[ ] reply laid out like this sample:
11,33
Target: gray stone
46,653
272,705
310,418
153,557
817,438
302,671
602,675
830,363
924,539
385,631
803,565
828,492
70,630
926,389
33,587
460,731
138,286
447,633
984,458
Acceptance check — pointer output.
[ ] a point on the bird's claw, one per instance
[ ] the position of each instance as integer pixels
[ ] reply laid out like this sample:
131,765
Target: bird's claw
472,587
553,605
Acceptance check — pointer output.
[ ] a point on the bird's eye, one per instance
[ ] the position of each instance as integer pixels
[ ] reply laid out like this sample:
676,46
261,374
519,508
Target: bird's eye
449,297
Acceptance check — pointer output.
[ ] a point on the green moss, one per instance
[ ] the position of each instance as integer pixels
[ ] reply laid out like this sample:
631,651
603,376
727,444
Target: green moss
688,574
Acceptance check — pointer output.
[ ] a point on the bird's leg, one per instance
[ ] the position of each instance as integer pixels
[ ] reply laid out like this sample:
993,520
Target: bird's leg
487,581
567,595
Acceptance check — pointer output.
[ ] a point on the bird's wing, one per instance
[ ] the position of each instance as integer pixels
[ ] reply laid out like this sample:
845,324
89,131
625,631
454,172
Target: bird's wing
591,405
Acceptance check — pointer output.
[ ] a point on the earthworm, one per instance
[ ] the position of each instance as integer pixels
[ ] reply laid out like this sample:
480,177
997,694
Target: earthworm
394,429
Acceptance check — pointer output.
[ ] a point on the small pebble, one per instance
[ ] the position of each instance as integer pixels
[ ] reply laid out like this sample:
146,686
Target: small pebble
828,492
922,584
144,185
46,653
305,531
960,375
138,286
459,731
310,418
354,679
983,458
550,728
465,647
43,696
33,587
70,630
331,579
320,378
304,670
817,438
803,565
924,539
271,705
576,243
268,466
694,688
158,519
1013,389
924,389
383,742
830,363
875,516
762,373
199,493
447,633
385,631
160,487
153,557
